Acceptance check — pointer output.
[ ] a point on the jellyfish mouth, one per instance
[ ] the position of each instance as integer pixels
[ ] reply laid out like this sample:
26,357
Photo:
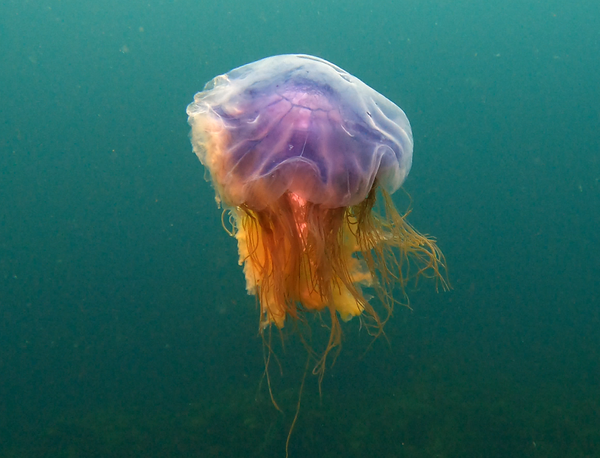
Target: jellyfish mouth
300,257
299,209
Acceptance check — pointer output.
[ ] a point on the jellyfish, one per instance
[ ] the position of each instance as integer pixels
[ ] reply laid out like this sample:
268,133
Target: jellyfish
303,158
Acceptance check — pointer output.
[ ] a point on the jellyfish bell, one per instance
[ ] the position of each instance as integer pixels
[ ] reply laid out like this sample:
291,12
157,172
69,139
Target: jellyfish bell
298,150
298,124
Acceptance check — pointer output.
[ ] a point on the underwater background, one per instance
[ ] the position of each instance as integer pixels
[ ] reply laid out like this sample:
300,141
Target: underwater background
125,327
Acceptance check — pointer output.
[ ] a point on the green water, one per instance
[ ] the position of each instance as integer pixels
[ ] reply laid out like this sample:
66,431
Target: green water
125,328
